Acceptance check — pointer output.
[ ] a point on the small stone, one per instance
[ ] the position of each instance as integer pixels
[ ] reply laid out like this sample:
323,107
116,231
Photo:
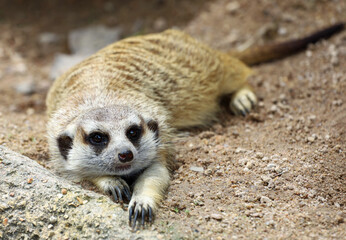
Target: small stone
63,191
337,102
311,139
265,199
312,117
26,87
48,38
239,150
3,207
271,183
79,200
308,53
5,222
257,214
282,31
232,7
197,169
50,226
259,155
65,216
53,219
235,133
208,172
160,236
256,118
271,166
270,223
206,134
243,161
216,216
30,180
11,194
250,164
265,178
273,109
30,111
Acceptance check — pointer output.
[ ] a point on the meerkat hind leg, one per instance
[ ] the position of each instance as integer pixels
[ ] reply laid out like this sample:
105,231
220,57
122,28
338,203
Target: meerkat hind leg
243,101
115,186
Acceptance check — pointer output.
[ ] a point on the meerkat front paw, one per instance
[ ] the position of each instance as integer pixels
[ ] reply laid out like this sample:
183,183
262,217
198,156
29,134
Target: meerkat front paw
141,209
243,101
114,186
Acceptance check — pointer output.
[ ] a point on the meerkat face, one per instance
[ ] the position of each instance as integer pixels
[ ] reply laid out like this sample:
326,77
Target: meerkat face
109,141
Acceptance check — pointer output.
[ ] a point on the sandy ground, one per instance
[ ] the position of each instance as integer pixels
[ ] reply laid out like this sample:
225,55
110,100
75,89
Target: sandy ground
276,174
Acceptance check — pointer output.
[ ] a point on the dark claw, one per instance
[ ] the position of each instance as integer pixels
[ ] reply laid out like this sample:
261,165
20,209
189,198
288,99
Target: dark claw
143,217
252,103
130,215
114,195
119,194
243,112
135,219
127,193
150,215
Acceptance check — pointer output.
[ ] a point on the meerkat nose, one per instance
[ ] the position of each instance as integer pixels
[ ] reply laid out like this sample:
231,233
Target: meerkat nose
125,156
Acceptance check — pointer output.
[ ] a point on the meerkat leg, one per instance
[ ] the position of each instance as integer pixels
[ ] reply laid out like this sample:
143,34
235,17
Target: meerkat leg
243,101
148,191
114,186
235,82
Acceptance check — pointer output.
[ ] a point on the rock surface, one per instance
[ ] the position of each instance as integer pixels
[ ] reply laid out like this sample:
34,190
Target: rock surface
82,43
32,206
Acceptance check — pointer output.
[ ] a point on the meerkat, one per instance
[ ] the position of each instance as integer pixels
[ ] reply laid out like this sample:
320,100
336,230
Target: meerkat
112,117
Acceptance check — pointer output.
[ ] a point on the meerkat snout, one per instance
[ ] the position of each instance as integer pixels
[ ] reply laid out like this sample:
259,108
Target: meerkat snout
125,156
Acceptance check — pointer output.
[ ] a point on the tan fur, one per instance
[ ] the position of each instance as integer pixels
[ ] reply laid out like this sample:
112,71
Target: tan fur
169,78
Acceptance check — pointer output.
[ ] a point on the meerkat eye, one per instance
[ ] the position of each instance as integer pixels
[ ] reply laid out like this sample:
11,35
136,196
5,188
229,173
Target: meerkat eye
98,139
134,133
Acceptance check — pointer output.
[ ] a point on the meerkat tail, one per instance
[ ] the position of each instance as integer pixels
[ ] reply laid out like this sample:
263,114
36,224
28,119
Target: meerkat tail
266,53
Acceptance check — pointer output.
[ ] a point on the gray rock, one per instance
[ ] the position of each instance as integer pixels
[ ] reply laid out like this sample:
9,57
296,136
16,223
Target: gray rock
27,87
196,169
82,43
63,62
32,209
90,39
48,38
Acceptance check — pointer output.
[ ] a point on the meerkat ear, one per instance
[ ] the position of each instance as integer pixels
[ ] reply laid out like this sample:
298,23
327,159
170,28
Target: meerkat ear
65,142
154,127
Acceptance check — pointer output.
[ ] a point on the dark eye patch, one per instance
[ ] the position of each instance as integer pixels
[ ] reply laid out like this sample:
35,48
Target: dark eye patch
98,140
134,133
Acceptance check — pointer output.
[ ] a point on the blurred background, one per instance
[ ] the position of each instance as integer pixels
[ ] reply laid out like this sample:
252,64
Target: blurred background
280,172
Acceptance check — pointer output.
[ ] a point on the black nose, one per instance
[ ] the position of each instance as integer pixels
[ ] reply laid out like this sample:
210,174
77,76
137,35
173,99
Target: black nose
126,156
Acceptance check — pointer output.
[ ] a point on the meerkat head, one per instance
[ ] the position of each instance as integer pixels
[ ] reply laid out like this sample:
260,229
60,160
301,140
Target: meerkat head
112,140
